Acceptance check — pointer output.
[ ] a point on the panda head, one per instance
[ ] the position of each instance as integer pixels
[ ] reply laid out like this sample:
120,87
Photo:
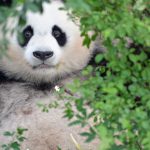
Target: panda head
46,36
51,48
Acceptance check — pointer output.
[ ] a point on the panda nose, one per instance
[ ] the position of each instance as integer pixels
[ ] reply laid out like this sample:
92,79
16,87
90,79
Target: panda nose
43,55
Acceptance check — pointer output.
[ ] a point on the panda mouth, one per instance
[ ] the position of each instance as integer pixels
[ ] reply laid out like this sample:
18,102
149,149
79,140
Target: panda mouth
42,66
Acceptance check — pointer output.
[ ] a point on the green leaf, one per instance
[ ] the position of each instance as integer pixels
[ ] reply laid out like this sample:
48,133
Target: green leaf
110,90
8,133
98,58
20,131
146,74
108,34
58,148
15,146
90,136
133,58
76,122
21,139
33,7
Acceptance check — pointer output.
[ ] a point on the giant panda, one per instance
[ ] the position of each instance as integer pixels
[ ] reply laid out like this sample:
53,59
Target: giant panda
50,54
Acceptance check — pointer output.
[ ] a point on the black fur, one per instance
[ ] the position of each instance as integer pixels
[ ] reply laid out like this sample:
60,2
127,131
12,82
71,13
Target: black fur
5,78
43,86
59,35
40,86
6,3
26,35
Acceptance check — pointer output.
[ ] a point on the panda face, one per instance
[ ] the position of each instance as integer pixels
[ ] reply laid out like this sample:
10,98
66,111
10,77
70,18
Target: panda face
44,38
43,50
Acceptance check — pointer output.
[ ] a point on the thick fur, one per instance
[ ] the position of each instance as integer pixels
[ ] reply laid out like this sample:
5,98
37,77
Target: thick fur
18,95
67,59
46,131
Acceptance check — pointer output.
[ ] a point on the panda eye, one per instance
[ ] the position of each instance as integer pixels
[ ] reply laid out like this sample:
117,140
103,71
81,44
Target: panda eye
59,35
56,33
28,34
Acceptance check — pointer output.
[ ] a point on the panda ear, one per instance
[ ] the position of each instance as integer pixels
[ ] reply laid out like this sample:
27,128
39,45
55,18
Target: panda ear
6,3
97,48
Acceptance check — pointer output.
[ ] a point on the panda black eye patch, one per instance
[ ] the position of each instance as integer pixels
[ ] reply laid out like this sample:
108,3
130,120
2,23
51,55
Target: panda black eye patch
59,35
26,35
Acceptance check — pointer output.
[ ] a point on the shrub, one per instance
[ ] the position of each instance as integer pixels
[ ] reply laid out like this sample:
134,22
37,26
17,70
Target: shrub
118,92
